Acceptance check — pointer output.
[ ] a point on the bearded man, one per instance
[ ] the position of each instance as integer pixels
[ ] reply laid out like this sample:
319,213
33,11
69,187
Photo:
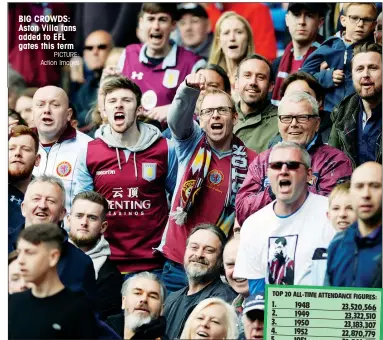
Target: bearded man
23,145
202,262
87,224
143,297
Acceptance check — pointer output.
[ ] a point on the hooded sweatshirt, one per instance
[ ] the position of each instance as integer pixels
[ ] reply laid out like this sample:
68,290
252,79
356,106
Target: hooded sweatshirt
135,182
99,253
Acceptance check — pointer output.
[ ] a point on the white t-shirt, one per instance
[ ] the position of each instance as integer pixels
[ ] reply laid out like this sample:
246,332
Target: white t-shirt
281,249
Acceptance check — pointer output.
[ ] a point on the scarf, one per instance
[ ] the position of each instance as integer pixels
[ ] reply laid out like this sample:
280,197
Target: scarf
285,65
196,175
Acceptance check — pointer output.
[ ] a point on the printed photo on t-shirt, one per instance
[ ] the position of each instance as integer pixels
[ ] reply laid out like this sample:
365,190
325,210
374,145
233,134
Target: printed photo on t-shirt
281,259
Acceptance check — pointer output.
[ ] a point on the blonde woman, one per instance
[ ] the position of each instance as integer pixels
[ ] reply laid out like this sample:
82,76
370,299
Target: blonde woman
213,319
233,41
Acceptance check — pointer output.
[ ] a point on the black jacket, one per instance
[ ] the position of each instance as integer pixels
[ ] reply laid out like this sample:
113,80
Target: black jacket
109,282
153,330
344,130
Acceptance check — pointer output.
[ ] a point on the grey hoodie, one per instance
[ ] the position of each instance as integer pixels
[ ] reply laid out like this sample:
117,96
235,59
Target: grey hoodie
99,253
149,135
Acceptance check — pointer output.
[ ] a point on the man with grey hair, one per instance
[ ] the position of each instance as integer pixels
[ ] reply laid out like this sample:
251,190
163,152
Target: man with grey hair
60,143
143,297
297,217
44,202
203,263
298,122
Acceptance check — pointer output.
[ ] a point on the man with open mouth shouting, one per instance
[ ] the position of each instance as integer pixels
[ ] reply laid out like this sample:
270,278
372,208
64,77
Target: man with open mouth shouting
133,167
212,165
159,66
278,242
59,141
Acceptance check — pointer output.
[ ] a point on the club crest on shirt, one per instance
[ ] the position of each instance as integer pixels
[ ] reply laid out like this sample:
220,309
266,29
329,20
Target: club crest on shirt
171,78
63,169
186,190
215,177
149,100
149,171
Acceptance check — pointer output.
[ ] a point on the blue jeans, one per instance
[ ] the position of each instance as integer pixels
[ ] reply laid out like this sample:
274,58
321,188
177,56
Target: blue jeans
174,276
157,272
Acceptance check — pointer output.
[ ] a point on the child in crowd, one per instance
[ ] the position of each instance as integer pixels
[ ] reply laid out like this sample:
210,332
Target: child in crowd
341,215
340,211
330,64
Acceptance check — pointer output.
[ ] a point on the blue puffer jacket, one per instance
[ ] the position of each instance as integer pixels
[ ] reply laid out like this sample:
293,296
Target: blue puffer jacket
353,261
338,57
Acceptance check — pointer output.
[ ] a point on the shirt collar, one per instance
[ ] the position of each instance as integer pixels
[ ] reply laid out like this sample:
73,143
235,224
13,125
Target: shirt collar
376,112
370,236
169,61
312,142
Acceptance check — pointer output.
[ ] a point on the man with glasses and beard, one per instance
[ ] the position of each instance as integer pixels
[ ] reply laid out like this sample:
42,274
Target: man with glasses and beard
143,297
297,218
203,263
23,145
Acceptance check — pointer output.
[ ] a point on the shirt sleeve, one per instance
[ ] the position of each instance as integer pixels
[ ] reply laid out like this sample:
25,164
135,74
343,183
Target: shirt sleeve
83,179
335,165
200,63
180,115
312,66
254,193
121,61
256,286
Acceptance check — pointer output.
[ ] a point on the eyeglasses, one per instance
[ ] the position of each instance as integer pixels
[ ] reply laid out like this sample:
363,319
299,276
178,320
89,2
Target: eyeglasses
354,19
99,47
222,111
287,119
292,165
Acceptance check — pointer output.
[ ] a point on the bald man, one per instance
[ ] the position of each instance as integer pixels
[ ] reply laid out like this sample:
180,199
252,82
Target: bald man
355,255
59,141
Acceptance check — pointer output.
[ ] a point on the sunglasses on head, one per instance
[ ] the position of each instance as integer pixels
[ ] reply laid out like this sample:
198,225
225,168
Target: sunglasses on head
293,165
99,47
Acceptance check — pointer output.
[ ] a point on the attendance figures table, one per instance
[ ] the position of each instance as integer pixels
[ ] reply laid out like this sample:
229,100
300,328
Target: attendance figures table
323,313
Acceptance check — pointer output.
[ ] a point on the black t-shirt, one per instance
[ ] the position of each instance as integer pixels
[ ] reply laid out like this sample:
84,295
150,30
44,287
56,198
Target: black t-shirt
64,315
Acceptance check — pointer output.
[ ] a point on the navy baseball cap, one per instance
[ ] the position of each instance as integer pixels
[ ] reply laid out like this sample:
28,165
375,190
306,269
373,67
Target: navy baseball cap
310,6
254,302
192,8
